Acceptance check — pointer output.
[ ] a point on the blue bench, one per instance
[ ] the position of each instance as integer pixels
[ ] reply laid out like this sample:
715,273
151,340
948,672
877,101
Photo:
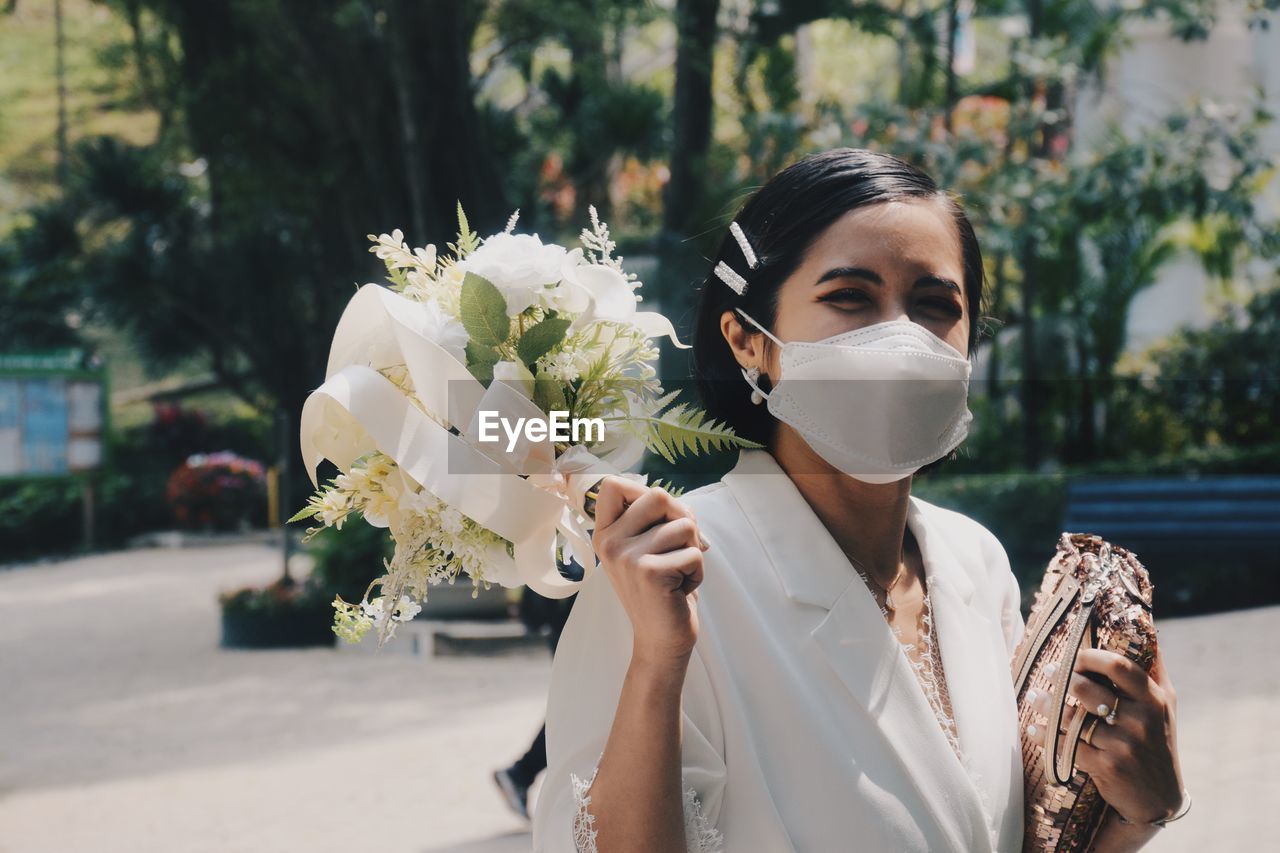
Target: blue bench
1233,513
1209,542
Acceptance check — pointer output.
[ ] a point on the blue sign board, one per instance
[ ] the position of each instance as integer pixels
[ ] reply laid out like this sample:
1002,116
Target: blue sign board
51,415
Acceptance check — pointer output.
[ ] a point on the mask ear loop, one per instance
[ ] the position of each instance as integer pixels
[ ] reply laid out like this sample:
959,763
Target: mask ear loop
756,391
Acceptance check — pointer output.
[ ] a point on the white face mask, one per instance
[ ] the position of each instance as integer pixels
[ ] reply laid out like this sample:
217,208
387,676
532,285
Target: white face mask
907,410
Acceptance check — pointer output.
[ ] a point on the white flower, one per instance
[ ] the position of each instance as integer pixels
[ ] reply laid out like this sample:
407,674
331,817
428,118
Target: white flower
598,292
391,247
406,609
435,324
352,482
499,567
379,507
561,367
451,521
394,493
516,375
334,508
521,266
594,291
376,610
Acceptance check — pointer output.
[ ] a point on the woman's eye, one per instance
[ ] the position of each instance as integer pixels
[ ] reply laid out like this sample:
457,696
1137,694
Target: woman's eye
944,305
846,295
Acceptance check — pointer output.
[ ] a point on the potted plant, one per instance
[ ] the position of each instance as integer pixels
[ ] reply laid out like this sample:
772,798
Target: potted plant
282,614
217,491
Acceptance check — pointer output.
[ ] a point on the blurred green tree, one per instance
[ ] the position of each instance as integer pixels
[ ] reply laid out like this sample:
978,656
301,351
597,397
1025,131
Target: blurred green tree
288,129
1216,386
293,129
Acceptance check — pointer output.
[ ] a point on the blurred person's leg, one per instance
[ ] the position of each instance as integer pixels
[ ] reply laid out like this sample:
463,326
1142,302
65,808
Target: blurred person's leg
533,762
535,611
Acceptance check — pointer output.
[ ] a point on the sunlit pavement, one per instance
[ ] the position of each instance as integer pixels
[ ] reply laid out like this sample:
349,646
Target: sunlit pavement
123,726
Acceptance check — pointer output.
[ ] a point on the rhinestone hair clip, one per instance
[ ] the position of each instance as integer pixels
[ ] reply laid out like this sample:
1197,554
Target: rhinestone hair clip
728,274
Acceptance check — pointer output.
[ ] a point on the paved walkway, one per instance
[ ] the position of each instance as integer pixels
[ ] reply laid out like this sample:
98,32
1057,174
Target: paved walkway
123,727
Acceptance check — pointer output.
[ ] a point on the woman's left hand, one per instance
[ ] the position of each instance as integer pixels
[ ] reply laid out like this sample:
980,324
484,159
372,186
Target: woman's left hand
1134,761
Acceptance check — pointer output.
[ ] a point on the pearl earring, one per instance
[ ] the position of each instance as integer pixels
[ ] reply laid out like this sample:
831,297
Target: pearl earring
753,373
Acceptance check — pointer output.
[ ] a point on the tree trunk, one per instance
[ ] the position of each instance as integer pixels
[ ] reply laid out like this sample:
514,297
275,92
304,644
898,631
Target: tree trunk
588,161
1086,433
691,113
1032,398
146,81
904,52
459,154
1032,444
995,392
409,142
949,93
61,72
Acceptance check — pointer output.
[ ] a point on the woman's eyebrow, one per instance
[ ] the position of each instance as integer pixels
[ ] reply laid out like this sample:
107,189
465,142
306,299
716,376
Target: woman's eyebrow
850,272
937,281
931,280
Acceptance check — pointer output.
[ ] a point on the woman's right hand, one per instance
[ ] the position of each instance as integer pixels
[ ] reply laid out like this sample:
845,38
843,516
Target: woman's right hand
649,544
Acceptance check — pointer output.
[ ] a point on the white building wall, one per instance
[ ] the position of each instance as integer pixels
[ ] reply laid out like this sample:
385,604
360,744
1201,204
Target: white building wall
1156,75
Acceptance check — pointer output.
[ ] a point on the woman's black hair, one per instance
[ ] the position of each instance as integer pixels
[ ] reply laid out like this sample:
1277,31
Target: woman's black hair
781,220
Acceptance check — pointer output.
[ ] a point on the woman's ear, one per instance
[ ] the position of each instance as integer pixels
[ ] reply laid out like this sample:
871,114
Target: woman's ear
747,346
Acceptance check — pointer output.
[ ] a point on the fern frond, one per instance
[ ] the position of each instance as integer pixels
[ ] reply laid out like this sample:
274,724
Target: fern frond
399,280
682,431
468,240
665,400
671,488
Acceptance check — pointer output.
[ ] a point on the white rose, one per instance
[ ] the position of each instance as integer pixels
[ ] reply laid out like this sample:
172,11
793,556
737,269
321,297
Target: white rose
516,375
521,266
435,324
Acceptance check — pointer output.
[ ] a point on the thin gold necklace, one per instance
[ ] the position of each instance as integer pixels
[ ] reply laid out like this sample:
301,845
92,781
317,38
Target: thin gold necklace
888,590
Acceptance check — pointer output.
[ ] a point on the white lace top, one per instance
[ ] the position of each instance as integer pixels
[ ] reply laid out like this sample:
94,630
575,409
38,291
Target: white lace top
699,835
926,661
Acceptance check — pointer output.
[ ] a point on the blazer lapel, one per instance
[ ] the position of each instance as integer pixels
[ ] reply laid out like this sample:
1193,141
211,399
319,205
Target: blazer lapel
977,674
864,654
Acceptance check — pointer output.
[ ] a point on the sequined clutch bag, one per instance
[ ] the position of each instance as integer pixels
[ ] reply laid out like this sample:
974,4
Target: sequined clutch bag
1094,594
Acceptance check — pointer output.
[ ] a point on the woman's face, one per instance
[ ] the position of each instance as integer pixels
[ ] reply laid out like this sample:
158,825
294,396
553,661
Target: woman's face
898,260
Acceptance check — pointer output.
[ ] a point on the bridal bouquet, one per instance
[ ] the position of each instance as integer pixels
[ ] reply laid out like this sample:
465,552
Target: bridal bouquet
471,405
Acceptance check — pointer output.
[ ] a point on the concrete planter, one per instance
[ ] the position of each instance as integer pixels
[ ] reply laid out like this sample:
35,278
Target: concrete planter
454,601
291,627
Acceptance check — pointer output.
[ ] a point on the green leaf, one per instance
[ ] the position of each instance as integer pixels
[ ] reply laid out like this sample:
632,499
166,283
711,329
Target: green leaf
548,395
399,279
667,486
306,512
540,338
480,361
484,311
463,227
685,431
468,240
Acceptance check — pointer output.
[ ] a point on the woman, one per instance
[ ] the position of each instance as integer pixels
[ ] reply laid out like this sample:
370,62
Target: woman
803,656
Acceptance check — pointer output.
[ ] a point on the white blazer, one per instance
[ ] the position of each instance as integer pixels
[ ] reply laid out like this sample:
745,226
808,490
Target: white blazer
805,727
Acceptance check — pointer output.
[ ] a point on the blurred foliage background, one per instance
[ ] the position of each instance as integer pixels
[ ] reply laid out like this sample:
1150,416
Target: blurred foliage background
186,189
